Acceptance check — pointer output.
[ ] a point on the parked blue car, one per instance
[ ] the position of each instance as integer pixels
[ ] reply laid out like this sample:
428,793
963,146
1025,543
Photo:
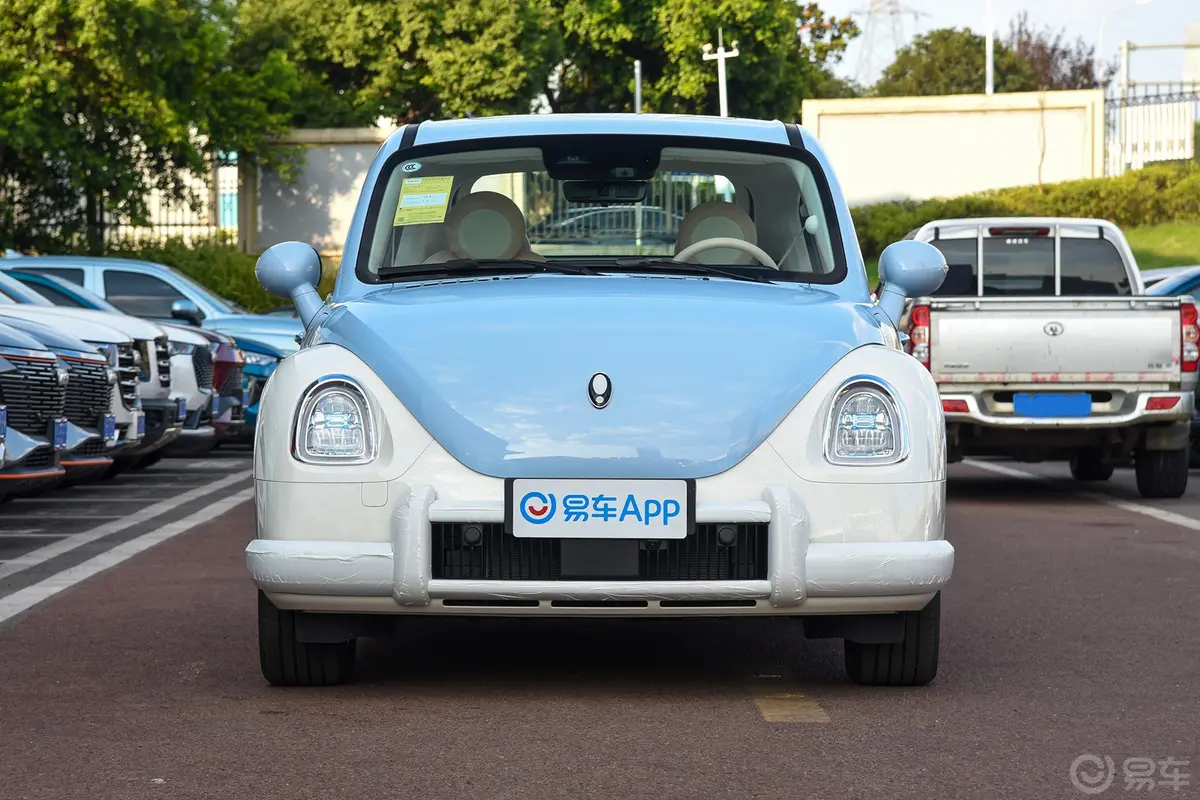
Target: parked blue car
157,292
261,357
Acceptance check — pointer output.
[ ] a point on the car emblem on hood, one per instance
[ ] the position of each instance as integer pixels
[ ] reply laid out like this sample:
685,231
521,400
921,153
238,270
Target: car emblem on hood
600,390
1052,328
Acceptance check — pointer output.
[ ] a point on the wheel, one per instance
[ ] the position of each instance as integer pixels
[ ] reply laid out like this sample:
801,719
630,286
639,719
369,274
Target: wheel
911,662
1194,454
1090,465
1162,473
148,460
288,662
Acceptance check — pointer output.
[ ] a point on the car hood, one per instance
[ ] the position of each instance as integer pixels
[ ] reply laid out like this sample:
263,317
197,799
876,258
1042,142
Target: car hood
55,338
132,326
85,329
701,370
184,334
18,339
278,332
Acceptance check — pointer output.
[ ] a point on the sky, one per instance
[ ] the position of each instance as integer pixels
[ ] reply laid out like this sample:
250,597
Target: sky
1152,22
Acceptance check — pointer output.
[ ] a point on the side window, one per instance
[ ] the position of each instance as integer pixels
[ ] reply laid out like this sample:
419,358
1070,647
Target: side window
139,295
54,295
67,274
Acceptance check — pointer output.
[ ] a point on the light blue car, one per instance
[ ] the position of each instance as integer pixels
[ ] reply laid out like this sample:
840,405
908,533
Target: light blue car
158,292
720,423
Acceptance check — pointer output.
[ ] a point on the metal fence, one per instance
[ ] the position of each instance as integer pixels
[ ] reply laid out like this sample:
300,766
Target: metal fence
216,212
1147,123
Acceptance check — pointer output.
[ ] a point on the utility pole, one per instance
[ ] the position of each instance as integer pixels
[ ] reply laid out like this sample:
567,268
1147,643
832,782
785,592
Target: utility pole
720,57
637,86
990,56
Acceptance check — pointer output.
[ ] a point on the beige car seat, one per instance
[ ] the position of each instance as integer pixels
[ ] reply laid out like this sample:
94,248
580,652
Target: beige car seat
485,225
714,220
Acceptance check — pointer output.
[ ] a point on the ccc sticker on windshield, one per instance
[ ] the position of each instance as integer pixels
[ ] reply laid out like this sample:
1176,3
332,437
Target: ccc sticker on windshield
410,167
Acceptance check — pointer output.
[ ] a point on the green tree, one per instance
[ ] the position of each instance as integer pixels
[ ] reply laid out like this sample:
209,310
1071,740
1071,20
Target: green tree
406,59
102,100
786,50
952,61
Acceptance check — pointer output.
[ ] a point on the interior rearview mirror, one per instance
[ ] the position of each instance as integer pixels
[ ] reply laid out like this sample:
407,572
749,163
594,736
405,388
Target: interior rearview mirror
293,270
908,269
605,191
187,311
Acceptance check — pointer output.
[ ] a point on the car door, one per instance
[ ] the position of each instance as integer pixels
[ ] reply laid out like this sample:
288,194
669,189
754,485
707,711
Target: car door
138,293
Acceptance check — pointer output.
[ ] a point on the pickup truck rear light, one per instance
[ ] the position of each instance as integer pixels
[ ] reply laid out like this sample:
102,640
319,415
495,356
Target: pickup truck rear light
1161,403
1019,231
919,346
955,406
1189,353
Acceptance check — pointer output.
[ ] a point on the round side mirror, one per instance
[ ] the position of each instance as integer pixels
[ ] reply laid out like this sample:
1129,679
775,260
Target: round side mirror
908,269
292,269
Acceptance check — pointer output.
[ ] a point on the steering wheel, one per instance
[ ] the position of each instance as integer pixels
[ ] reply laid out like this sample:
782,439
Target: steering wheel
685,255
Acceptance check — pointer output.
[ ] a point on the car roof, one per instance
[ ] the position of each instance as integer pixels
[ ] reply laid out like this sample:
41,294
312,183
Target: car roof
733,128
1166,284
33,262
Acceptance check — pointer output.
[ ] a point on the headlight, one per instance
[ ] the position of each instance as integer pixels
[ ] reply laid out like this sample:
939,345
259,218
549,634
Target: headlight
182,349
260,359
865,426
335,425
109,350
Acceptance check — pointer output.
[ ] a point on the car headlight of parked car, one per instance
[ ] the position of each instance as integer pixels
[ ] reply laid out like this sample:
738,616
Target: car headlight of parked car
182,349
260,359
866,425
335,424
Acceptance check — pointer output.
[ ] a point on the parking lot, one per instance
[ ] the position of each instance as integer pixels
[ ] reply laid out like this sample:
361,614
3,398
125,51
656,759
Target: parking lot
131,670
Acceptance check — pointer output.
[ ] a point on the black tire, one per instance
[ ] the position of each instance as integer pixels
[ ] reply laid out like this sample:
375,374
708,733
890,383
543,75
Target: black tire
1162,473
288,662
1194,455
911,662
148,460
1089,465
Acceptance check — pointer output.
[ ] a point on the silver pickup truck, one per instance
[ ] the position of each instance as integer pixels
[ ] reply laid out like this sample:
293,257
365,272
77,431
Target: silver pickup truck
1044,348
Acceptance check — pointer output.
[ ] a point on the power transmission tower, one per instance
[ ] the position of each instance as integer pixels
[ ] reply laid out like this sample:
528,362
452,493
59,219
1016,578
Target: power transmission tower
879,13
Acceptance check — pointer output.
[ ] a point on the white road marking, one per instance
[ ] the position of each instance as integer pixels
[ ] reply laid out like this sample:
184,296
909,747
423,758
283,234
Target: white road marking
49,515
36,533
1136,508
43,554
20,601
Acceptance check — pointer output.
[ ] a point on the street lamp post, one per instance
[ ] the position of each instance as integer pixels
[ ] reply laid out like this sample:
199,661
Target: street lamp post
720,57
990,48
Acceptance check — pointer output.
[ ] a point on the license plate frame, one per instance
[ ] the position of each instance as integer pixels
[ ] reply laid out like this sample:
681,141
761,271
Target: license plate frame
246,398
108,426
1040,405
141,424
58,433
619,490
181,411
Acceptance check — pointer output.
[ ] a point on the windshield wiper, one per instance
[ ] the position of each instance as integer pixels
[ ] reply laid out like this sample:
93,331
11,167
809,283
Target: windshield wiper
466,267
671,265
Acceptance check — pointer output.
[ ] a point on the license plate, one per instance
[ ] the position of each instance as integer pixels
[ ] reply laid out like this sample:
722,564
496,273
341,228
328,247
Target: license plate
1063,404
3,421
141,425
216,405
180,408
108,427
245,398
59,433
600,509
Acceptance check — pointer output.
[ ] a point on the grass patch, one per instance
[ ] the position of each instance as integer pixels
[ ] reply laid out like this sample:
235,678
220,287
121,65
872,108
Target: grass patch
1172,244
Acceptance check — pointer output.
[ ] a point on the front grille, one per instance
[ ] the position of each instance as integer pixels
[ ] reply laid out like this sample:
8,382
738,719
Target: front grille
502,556
95,448
162,354
42,457
127,375
231,384
202,364
88,393
32,394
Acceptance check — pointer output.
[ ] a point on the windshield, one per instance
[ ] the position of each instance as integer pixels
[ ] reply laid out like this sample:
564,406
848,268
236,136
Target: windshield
20,293
597,200
1023,265
221,304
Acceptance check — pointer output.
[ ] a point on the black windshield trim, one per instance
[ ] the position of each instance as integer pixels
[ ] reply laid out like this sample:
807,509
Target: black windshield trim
393,161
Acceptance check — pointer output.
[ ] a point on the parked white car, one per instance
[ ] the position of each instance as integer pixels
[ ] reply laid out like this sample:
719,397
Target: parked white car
473,428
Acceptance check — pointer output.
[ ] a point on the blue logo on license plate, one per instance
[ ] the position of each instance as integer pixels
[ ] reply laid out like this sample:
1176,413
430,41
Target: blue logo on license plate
108,427
60,433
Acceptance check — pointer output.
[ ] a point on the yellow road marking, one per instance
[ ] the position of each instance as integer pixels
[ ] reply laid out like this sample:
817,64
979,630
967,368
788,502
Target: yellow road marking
777,701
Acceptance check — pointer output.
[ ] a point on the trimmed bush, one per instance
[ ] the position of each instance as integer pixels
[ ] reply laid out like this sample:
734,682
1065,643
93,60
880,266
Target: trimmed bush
219,267
1147,196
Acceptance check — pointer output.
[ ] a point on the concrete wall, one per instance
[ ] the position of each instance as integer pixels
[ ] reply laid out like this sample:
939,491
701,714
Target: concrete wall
920,147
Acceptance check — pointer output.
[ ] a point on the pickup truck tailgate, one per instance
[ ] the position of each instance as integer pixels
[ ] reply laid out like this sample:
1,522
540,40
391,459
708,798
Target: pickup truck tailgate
1077,341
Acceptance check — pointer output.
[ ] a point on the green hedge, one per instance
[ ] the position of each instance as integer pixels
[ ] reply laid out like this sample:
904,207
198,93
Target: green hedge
218,266
1148,196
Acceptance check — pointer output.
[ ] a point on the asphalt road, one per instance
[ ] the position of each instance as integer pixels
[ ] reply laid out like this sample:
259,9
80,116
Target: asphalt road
1070,629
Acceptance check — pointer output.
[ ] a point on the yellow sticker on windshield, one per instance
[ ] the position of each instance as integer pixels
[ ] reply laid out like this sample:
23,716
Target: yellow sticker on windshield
423,201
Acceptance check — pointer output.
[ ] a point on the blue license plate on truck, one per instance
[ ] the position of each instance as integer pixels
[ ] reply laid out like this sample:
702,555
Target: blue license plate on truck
59,434
1053,404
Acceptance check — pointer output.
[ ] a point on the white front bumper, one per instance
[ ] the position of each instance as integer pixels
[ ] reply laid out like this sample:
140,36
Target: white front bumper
803,576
